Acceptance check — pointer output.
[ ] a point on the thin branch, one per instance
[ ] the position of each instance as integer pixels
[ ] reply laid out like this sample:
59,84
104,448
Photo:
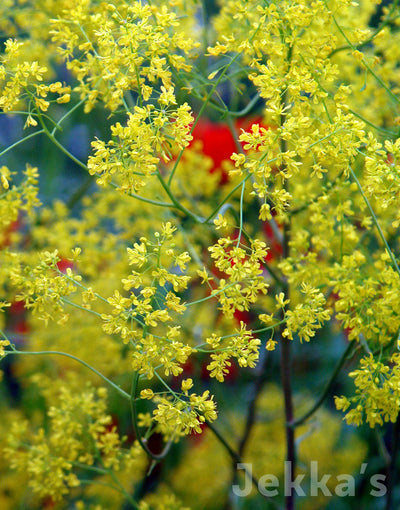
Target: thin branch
133,397
391,478
251,409
328,386
227,197
80,192
375,220
364,62
285,343
237,459
372,36
208,97
21,141
177,205
58,353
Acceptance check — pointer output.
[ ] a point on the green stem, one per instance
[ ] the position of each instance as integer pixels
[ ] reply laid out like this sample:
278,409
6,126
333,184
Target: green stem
58,353
286,364
67,114
237,459
373,35
177,205
365,63
327,389
241,215
60,146
102,484
213,294
227,197
208,97
133,398
80,192
79,307
21,141
124,491
375,220
203,107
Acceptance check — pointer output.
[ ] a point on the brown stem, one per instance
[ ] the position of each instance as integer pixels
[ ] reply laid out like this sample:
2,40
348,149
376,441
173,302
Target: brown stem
251,409
286,376
286,366
391,478
327,389
286,348
251,416
286,380
238,460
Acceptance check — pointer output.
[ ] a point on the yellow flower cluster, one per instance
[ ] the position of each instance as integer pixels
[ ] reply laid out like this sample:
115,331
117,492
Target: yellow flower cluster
377,394
240,345
242,267
184,417
3,343
265,451
42,288
17,198
368,305
307,317
21,81
173,276
162,499
130,157
118,48
80,437
153,301
383,175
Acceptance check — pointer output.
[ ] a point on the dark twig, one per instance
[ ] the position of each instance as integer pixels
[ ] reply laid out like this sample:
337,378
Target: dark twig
286,347
238,460
251,409
391,478
346,354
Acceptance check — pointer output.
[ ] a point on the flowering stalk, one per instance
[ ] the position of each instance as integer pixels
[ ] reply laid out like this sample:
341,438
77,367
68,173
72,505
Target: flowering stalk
241,198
